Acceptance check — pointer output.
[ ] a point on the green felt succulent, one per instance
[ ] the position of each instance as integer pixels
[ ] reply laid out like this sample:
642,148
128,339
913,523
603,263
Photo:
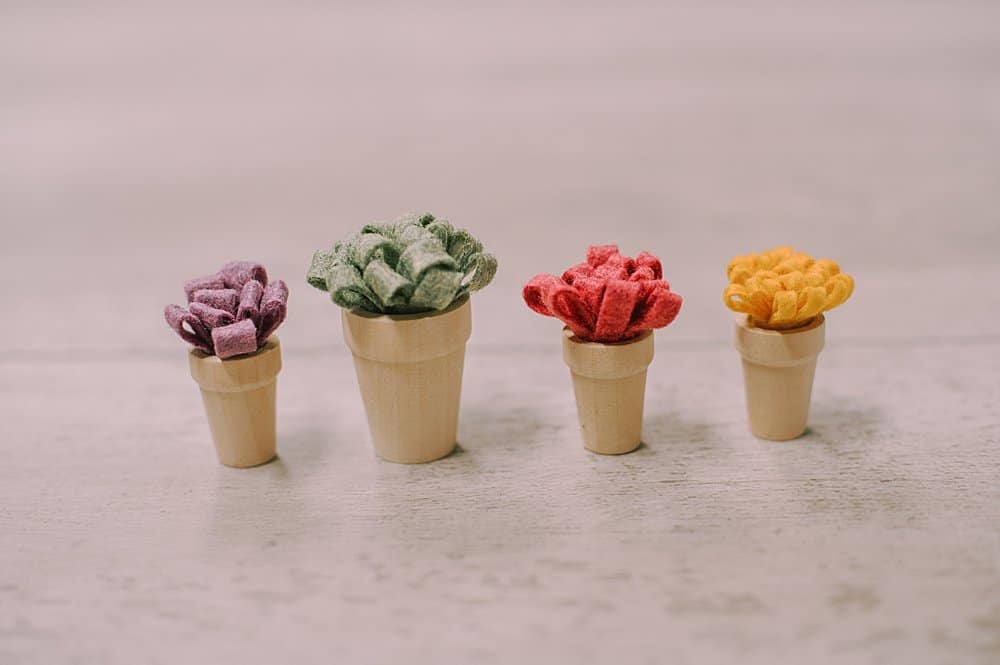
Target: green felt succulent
413,264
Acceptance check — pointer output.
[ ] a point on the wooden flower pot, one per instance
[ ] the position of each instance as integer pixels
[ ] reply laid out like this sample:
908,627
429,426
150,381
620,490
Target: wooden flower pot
409,371
778,370
609,381
239,397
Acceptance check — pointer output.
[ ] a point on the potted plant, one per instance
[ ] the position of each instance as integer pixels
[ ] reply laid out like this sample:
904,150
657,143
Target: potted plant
404,287
610,306
229,322
780,296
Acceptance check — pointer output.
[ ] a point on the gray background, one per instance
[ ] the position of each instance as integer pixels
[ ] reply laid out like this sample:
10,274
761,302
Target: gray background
141,144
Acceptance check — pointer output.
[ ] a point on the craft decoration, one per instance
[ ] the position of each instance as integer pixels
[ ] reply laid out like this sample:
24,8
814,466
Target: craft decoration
410,265
609,298
232,312
229,321
782,295
782,289
610,304
404,287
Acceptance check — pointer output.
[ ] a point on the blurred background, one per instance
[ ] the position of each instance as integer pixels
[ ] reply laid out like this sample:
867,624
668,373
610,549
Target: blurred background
144,143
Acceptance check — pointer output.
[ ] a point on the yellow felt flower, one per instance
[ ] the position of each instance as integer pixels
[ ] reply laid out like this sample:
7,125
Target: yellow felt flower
783,289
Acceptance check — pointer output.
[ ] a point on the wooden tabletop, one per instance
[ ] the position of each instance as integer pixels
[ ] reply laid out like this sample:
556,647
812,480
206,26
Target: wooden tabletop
140,147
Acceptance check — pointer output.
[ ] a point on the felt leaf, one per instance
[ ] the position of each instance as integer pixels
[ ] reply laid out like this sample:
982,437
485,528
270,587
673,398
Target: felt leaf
349,290
210,316
249,303
201,283
235,339
423,255
322,263
436,290
237,273
226,299
273,309
195,334
620,297
391,288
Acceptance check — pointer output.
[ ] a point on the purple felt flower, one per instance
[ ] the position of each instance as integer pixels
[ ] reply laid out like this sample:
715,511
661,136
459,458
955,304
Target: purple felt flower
232,312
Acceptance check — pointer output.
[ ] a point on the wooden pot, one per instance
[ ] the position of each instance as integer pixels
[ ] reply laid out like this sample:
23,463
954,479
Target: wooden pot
778,370
609,381
409,370
239,395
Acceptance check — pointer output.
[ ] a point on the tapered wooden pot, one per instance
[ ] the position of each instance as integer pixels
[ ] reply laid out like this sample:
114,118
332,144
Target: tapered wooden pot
409,370
239,395
778,370
609,381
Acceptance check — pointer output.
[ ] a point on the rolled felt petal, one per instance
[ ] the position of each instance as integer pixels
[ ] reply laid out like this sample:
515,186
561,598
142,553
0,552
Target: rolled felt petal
619,300
249,304
273,308
436,290
235,339
196,334
609,298
210,316
537,291
415,263
226,299
423,255
237,273
199,283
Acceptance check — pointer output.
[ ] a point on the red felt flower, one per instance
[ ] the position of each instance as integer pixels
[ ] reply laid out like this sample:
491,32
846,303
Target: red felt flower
610,298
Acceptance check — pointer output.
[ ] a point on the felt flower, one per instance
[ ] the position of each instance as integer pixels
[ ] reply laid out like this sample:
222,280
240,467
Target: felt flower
609,298
413,264
230,313
781,288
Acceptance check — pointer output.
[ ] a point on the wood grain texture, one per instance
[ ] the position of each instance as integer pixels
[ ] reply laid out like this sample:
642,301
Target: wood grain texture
143,144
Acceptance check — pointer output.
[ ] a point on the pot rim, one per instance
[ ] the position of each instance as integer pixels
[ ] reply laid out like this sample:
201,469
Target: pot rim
571,337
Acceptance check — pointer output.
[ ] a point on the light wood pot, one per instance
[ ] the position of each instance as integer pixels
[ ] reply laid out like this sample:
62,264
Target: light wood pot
778,370
239,395
409,370
609,381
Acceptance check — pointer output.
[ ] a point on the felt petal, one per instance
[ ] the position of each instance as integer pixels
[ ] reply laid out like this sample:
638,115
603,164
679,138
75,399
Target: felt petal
273,309
570,308
198,283
591,289
647,260
237,273
226,299
322,263
391,288
235,339
436,291
599,254
659,310
210,316
575,272
620,297
349,290
196,334
423,255
538,292
249,303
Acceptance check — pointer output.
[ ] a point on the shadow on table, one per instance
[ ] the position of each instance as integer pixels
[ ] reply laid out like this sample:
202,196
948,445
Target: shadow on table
674,430
511,429
840,421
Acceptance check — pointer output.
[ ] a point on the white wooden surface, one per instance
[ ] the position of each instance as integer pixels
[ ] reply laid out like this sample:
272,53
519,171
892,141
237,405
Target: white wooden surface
142,145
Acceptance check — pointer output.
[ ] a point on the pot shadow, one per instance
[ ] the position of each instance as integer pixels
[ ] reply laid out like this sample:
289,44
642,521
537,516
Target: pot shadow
837,422
669,428
512,430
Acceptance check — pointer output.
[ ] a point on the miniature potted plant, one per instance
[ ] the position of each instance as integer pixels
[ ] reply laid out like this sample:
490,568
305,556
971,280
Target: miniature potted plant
404,287
610,304
781,296
235,359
